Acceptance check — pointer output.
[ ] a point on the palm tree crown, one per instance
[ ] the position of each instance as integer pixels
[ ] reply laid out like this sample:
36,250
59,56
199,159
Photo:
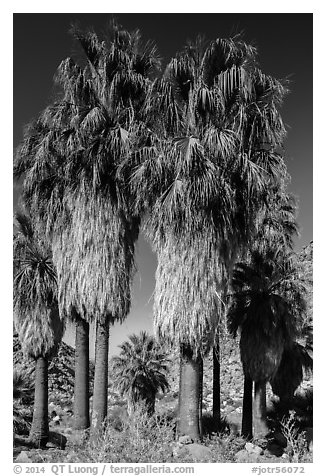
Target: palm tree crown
200,174
70,158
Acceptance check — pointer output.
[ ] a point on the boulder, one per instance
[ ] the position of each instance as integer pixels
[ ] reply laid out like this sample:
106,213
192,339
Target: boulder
243,456
23,458
253,449
199,452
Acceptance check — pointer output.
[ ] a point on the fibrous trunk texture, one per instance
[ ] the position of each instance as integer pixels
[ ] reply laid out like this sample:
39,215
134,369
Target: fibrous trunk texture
39,432
247,408
200,401
260,424
100,394
81,390
189,393
216,385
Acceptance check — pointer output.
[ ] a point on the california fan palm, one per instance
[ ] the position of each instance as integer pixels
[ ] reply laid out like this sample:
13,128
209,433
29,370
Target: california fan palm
140,370
71,181
296,359
267,305
208,157
36,315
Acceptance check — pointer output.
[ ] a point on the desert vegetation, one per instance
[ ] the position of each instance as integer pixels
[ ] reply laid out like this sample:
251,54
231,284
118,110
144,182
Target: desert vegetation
190,156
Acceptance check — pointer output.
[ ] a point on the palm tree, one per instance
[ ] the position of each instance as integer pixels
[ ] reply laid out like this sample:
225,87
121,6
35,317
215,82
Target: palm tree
296,358
37,319
23,395
71,182
267,305
200,175
276,227
216,355
140,370
81,384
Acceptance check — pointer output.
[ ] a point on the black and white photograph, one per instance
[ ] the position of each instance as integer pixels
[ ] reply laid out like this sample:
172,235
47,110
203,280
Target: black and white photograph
162,240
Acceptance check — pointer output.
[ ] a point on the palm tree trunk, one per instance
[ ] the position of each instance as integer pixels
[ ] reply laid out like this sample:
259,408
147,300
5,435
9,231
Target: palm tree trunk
100,394
260,424
200,408
150,405
189,394
247,408
39,433
81,389
216,384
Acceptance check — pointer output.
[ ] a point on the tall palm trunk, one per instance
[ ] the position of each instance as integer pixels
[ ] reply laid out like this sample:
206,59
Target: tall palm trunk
100,394
216,384
247,408
81,389
260,424
39,432
189,393
201,384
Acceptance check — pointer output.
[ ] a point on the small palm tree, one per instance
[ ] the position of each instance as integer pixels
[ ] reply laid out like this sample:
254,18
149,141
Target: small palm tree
22,385
267,305
296,358
23,394
37,319
140,370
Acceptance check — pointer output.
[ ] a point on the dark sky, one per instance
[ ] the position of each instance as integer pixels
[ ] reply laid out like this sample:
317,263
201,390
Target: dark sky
284,43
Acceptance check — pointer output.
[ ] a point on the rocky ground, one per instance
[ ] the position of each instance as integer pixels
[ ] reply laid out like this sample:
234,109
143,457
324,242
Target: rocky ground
227,446
63,438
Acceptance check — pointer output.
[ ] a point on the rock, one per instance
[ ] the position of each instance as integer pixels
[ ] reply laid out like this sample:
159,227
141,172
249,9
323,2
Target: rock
285,458
199,452
178,450
57,440
71,458
185,440
243,456
23,458
253,449
262,442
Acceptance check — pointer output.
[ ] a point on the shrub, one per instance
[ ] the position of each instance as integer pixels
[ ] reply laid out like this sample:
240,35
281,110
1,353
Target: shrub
138,439
296,442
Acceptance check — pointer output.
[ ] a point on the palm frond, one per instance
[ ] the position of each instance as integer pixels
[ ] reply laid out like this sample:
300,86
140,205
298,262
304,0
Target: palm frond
36,314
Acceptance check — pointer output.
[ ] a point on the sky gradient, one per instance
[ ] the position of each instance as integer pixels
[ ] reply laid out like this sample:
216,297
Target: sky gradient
284,42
